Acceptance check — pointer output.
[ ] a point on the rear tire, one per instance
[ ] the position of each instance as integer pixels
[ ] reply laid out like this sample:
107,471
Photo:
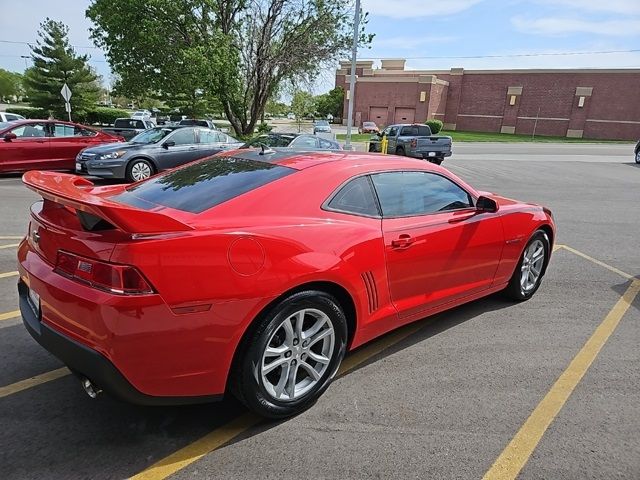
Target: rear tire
139,169
529,271
291,356
638,156
437,161
400,151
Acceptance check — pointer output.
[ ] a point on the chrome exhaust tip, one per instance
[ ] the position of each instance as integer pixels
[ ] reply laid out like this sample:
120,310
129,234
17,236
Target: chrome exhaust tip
90,388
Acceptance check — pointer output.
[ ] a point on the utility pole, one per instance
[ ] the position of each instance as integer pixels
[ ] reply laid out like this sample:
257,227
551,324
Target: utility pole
352,80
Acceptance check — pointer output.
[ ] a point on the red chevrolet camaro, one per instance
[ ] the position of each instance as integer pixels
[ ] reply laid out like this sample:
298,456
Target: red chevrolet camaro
255,272
46,144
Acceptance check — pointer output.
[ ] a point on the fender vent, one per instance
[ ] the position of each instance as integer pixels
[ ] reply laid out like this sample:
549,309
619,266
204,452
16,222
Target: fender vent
372,291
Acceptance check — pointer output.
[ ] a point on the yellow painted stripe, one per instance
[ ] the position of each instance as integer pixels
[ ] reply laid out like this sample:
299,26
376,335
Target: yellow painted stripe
12,237
33,381
598,262
217,438
9,315
198,449
557,247
11,245
516,454
8,274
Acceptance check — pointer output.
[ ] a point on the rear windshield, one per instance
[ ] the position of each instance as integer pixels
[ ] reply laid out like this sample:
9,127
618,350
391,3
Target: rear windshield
202,185
199,123
416,131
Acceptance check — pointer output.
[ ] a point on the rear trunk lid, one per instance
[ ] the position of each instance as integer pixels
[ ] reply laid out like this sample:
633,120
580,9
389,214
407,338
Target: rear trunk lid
77,217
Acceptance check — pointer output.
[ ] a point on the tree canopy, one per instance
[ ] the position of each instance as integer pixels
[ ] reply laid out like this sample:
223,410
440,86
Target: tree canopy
10,84
237,51
331,103
54,64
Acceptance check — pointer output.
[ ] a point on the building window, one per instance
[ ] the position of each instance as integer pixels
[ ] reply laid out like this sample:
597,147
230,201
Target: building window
512,100
581,102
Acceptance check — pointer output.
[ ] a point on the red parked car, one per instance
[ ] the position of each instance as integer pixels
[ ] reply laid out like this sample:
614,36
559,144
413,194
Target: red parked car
254,273
45,144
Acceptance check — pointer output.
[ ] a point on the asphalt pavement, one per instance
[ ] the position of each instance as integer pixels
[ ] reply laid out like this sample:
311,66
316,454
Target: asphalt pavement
442,398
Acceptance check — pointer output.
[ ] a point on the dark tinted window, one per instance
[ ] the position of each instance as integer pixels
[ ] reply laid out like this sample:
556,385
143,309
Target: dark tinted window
355,197
405,194
271,140
129,123
327,145
202,185
183,136
416,131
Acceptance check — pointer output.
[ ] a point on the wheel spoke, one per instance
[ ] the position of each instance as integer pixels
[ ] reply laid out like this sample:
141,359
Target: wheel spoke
284,378
288,330
290,387
320,336
318,358
315,328
276,351
273,365
310,370
299,321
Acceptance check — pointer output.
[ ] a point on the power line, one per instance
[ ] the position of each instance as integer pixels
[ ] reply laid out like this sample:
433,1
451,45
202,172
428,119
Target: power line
27,43
20,56
603,52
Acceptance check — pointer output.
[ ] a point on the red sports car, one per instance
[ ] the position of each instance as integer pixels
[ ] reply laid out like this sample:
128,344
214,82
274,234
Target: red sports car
45,144
254,272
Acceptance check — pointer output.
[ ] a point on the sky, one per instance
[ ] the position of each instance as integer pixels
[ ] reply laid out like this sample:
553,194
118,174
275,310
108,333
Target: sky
430,34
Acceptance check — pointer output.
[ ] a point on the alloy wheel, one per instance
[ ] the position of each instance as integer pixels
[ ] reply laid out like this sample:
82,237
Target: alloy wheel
532,264
297,355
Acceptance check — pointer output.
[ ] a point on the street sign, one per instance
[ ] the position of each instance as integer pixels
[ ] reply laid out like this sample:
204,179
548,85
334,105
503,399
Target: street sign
66,93
67,107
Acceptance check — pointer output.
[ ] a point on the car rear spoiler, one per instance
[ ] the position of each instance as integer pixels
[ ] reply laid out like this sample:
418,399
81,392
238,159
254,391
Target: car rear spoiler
73,191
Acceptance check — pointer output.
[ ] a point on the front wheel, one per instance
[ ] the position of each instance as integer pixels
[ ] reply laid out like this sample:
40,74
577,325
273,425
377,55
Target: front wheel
138,169
638,156
292,355
528,274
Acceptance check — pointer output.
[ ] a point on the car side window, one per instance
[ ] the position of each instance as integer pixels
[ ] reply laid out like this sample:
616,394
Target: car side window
209,136
406,194
355,197
30,130
183,136
392,131
83,132
326,144
304,142
62,130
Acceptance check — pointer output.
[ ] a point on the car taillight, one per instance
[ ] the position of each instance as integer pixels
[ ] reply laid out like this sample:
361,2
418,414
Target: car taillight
414,142
109,277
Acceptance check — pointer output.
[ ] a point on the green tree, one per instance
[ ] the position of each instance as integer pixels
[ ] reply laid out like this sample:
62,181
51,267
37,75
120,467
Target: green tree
54,64
10,85
237,51
331,103
302,105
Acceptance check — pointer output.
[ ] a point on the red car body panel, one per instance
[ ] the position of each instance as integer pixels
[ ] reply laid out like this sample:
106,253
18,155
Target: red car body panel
214,272
46,152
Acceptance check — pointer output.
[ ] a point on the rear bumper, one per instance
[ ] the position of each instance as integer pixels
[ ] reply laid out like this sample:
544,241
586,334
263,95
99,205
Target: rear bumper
87,362
132,346
426,154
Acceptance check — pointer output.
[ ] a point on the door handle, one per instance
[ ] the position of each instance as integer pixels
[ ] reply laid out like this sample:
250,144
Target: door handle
403,241
461,217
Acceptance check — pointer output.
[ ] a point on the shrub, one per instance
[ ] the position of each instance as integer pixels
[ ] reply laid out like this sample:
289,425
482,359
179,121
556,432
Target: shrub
28,112
434,125
104,115
264,128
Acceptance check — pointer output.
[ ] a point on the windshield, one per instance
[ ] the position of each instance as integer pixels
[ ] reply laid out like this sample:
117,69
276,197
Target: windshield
4,125
153,135
322,123
271,141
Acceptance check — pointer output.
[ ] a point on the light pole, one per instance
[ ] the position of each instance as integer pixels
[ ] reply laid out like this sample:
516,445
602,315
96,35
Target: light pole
25,60
352,79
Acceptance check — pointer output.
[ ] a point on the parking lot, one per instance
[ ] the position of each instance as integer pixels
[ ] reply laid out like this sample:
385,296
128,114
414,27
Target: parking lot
548,388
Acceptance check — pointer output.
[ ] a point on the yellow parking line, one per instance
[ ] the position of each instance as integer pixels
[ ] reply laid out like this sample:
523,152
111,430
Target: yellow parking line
9,315
219,437
8,274
33,381
557,247
12,237
598,262
11,245
516,454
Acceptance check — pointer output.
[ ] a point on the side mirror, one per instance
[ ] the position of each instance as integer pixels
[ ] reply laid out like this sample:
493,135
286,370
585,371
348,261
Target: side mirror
10,136
168,144
486,204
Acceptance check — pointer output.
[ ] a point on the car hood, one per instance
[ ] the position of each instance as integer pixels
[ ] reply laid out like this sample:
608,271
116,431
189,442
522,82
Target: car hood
114,147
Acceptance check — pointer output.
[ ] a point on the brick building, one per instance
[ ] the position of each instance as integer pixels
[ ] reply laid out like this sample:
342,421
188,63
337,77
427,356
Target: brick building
589,103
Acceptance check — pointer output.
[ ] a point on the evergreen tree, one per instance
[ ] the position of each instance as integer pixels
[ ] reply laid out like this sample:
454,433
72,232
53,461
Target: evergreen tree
54,64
